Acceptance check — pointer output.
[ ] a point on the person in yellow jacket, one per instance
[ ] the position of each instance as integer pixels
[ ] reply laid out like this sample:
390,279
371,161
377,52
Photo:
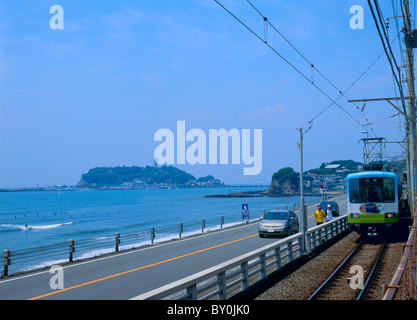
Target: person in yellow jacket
319,216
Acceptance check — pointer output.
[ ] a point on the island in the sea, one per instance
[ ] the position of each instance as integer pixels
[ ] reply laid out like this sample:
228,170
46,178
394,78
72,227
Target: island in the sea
148,177
330,177
126,178
156,177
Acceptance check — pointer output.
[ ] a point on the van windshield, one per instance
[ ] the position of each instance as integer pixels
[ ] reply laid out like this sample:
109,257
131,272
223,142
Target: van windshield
276,216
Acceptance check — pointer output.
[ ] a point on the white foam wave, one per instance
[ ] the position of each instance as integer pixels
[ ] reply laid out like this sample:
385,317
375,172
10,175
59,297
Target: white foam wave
40,227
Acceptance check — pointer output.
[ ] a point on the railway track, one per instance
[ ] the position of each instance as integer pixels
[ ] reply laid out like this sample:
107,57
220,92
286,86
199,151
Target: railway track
353,279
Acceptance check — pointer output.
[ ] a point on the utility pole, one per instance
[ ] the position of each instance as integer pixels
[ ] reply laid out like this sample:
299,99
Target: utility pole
410,116
409,44
303,211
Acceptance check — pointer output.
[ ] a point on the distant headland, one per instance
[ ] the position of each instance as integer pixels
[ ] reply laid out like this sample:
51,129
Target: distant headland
328,178
143,178
127,178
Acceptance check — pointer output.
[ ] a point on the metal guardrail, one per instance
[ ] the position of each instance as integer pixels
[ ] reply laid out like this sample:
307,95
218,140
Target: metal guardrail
36,257
46,256
317,235
239,273
58,253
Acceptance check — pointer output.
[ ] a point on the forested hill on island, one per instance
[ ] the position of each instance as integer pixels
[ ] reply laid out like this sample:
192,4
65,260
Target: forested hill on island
284,182
329,177
143,177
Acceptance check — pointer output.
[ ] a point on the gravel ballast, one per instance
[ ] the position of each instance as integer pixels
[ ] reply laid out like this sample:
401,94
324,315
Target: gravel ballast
302,282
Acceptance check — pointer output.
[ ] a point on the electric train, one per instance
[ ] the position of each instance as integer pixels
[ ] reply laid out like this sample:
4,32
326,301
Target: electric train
373,201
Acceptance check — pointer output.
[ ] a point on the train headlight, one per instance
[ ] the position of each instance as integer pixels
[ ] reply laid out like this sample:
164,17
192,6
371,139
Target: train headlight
390,215
355,216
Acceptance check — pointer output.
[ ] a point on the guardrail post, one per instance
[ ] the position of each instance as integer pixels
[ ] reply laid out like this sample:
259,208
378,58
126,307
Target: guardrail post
301,245
244,269
221,278
71,247
221,222
6,263
181,229
278,258
152,235
192,292
308,242
325,233
312,240
203,225
116,241
262,261
290,252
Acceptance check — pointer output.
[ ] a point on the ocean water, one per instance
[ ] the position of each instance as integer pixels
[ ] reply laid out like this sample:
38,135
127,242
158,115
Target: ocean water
34,219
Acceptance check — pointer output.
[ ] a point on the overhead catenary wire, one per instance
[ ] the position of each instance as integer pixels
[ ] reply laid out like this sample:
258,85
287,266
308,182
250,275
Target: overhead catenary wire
312,73
318,71
385,49
290,64
289,42
378,10
398,30
390,56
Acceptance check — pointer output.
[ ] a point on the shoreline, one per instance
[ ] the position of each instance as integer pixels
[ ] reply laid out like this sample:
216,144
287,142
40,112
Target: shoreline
258,194
124,188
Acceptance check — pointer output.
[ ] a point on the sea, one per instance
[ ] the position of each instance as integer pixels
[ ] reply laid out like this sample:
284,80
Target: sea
31,219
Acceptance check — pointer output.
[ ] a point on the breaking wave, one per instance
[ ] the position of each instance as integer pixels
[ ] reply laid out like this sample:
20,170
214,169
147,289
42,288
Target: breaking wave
6,227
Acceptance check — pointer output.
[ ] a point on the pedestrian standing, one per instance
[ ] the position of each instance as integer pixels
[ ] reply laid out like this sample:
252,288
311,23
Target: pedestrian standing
319,215
329,213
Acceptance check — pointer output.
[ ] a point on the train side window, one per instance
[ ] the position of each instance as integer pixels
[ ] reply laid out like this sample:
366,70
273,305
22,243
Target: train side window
354,194
389,190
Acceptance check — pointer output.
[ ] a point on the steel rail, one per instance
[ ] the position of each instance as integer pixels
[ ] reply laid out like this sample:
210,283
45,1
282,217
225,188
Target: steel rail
372,273
321,288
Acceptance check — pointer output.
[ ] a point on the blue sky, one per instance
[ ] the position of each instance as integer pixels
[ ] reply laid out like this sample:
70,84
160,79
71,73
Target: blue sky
95,93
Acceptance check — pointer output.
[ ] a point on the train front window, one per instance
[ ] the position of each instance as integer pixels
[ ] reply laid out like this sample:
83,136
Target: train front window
372,189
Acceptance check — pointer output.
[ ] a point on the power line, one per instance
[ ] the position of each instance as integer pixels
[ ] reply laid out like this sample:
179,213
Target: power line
385,47
289,42
289,63
390,55
313,67
312,75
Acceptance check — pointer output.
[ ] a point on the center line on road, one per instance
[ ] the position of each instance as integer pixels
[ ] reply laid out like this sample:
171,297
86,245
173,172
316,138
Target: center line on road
137,269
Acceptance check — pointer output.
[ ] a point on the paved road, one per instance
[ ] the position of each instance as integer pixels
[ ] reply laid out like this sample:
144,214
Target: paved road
128,274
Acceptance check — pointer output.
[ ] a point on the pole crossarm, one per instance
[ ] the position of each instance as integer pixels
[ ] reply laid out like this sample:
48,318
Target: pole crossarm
389,101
